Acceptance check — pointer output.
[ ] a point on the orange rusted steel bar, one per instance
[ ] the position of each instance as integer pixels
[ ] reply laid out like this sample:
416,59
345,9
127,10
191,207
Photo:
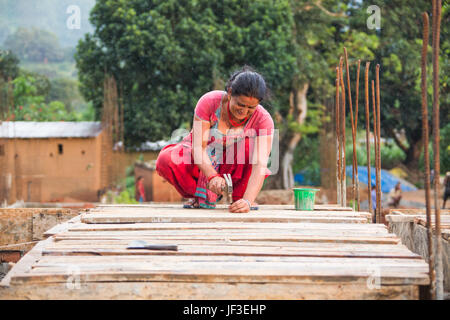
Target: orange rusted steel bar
342,118
437,209
356,130
375,143
425,139
379,143
338,143
353,126
366,91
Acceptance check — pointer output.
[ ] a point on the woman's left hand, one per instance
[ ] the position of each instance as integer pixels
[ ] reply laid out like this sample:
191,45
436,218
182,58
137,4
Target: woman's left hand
240,206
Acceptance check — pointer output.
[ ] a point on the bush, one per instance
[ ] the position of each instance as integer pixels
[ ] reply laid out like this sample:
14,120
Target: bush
126,197
307,159
391,154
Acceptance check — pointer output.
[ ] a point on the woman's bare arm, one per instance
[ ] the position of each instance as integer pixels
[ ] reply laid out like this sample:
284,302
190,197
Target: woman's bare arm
263,147
200,138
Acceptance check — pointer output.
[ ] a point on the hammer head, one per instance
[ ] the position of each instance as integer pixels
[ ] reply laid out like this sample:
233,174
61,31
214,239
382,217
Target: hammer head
229,187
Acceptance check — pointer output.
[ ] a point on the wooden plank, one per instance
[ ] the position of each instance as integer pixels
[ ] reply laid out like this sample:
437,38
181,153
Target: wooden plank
410,211
320,207
218,265
414,236
42,221
119,218
388,252
215,291
225,212
63,226
256,237
222,225
232,273
325,248
232,232
122,243
418,219
445,222
24,264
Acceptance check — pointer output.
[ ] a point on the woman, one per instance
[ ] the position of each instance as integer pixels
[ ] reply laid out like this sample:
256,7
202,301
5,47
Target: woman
232,133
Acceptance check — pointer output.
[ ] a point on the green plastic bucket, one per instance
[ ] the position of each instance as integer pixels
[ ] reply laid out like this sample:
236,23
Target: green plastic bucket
304,198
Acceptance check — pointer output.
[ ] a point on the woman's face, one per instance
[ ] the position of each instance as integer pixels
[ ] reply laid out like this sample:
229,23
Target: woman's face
242,107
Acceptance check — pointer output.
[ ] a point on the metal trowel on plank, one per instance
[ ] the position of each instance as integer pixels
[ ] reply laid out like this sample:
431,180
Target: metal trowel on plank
140,244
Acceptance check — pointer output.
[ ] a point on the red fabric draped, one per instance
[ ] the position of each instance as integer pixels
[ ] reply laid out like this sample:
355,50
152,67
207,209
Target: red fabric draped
183,175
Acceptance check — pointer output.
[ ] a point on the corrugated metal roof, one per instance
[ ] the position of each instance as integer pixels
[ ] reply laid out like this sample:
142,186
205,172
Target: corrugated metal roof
56,129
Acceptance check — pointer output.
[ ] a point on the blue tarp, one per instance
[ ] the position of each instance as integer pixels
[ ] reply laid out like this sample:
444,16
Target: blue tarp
388,180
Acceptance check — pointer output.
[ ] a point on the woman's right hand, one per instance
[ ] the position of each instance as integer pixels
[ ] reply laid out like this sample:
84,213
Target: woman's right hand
217,185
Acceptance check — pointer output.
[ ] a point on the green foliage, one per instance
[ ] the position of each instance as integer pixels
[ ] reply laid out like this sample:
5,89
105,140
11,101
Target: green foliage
391,154
169,53
9,65
39,81
52,70
34,45
308,160
129,171
65,90
126,197
130,183
31,106
399,53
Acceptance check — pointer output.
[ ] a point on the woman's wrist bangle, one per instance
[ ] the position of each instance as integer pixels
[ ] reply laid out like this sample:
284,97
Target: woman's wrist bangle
213,176
248,202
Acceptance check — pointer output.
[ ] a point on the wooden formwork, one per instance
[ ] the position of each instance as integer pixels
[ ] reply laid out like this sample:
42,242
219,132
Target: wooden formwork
410,226
273,253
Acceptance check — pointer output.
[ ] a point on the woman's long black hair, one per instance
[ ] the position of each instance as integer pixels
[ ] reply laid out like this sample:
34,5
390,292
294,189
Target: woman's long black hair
247,82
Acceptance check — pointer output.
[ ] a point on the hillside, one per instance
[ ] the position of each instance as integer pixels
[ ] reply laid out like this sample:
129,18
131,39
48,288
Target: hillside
49,15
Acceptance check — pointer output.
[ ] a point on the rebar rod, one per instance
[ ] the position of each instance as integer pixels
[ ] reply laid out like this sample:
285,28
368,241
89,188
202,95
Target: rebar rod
437,209
342,118
350,104
375,143
338,147
379,143
366,91
356,131
425,138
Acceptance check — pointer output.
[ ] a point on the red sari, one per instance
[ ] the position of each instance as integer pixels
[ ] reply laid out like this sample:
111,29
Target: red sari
234,153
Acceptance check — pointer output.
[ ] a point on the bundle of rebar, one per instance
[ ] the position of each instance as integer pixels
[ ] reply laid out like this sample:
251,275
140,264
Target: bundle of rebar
340,135
435,258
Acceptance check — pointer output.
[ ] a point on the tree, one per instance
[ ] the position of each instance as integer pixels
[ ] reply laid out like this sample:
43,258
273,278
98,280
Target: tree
9,65
30,103
399,54
166,54
320,33
35,45
66,91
